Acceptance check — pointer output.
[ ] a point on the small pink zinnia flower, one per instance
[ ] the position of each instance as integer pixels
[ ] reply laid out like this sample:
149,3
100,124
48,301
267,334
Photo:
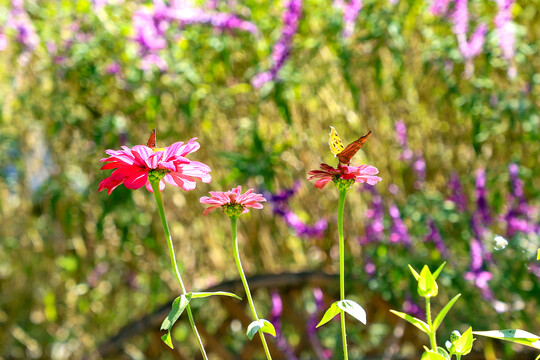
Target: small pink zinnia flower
137,166
233,202
361,174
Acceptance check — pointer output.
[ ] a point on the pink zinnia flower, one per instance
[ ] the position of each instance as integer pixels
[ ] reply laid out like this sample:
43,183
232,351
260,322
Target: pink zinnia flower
137,166
361,174
233,202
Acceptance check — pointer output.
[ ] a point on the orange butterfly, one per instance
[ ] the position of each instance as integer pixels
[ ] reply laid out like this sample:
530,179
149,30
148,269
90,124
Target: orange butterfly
344,154
152,140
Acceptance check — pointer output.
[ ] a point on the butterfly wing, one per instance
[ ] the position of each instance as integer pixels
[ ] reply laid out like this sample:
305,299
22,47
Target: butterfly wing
336,146
152,140
351,149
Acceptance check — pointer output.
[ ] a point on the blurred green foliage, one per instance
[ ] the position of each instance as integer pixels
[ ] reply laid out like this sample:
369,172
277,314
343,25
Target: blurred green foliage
76,265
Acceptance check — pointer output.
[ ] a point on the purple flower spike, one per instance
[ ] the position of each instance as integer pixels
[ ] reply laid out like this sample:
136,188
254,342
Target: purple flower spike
19,20
481,200
398,231
457,196
281,207
435,237
519,218
282,49
350,14
505,32
375,217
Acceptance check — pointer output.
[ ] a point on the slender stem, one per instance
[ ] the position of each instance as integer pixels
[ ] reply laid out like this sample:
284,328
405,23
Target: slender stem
341,207
244,282
174,265
432,338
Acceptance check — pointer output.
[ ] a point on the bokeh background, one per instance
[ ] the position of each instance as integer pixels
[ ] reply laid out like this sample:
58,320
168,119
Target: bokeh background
450,90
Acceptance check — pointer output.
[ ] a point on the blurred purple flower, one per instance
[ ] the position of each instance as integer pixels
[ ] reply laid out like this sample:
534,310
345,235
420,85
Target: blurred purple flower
311,325
398,230
99,4
412,308
275,318
3,40
435,237
374,216
482,207
350,9
480,280
440,7
282,49
151,26
505,32
113,68
19,20
370,267
281,207
150,60
419,167
456,193
519,217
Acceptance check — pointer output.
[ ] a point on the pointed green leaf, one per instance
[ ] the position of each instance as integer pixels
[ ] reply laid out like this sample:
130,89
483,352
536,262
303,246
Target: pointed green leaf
438,271
353,309
443,352
167,339
513,335
440,317
415,274
197,295
268,327
415,321
332,311
432,355
264,325
463,345
178,307
427,287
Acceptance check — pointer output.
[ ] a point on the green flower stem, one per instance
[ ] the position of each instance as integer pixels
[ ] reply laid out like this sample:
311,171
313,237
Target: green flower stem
174,265
432,338
341,208
244,282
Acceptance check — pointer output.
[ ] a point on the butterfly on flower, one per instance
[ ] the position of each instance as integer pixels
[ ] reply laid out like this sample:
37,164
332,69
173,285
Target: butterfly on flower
152,140
344,154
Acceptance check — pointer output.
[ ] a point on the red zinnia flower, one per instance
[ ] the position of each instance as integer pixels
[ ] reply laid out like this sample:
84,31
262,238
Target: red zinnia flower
361,174
137,166
233,202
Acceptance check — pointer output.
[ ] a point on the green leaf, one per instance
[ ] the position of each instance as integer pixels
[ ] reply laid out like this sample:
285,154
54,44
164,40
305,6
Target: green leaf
178,307
415,274
197,295
432,355
427,287
353,309
440,317
264,325
513,335
443,352
463,345
415,321
438,271
332,311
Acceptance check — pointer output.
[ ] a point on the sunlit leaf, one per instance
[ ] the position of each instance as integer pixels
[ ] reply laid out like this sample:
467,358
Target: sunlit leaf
178,307
415,321
197,295
513,335
353,309
440,317
332,311
264,325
